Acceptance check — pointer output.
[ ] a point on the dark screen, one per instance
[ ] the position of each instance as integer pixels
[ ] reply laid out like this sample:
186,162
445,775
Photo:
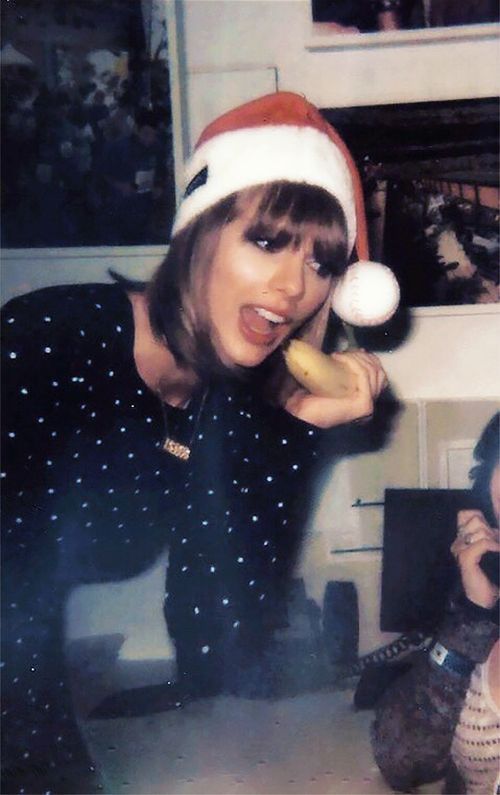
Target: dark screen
418,569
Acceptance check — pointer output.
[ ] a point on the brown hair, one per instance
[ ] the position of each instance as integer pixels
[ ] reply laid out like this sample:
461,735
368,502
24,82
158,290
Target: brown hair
177,290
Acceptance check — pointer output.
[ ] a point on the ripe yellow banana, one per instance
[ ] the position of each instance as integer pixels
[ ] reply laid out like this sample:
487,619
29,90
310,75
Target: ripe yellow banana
317,372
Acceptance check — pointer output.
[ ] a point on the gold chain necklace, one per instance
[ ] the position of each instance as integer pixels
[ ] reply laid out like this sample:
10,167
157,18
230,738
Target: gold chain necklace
174,447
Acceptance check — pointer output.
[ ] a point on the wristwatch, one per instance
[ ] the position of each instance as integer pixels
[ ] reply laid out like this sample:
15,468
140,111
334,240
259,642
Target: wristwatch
451,660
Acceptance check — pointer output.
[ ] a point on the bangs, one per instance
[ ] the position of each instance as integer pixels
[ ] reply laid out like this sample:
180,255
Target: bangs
299,213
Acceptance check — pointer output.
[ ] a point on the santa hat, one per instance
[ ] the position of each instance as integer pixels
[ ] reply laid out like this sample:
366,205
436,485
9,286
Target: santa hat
277,137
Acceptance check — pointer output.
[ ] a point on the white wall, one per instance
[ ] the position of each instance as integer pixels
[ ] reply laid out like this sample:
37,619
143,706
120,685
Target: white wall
24,270
333,70
452,352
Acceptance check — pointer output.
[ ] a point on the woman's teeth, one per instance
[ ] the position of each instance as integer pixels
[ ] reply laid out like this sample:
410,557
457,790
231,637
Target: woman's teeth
271,316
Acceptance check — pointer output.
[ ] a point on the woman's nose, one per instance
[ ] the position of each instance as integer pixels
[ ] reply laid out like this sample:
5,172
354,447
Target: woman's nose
289,274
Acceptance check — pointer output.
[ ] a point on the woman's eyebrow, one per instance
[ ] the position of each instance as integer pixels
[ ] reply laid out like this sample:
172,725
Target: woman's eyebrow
259,229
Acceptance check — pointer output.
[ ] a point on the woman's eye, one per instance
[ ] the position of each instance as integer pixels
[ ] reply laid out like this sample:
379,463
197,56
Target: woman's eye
269,242
316,266
264,243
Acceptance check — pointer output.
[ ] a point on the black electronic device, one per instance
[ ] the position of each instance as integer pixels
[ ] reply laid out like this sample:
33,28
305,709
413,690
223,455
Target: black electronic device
418,575
419,571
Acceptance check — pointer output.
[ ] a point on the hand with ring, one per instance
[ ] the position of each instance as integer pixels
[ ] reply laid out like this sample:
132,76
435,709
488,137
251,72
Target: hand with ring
474,538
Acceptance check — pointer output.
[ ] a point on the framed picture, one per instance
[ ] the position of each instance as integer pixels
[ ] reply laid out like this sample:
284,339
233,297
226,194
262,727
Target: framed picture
367,16
86,124
430,172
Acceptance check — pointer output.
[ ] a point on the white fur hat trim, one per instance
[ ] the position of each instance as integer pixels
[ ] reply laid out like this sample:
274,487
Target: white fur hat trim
252,156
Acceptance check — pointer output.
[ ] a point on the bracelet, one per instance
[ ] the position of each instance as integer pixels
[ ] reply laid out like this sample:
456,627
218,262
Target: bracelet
451,660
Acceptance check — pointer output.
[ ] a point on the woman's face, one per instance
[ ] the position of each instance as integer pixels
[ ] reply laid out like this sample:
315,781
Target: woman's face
260,291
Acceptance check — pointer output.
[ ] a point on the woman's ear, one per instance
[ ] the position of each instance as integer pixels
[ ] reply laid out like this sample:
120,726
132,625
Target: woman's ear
314,330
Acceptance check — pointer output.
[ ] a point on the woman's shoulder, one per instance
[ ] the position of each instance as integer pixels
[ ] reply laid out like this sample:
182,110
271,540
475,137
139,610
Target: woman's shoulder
65,323
68,300
79,308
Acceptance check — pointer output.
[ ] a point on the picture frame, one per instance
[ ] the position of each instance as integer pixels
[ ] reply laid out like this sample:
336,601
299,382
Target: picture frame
430,177
77,80
352,16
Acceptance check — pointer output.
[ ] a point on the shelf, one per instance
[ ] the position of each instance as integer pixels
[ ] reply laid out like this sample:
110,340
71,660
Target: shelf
324,38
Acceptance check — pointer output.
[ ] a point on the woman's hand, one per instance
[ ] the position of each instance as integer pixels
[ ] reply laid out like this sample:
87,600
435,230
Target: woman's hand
474,538
326,412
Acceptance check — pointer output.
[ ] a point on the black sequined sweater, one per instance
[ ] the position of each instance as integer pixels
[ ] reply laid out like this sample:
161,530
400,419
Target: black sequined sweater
89,493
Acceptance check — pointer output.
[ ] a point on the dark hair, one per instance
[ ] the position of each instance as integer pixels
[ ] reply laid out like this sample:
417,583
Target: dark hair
177,294
487,454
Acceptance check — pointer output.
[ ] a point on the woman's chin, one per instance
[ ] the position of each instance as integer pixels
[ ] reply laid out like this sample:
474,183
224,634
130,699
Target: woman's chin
248,358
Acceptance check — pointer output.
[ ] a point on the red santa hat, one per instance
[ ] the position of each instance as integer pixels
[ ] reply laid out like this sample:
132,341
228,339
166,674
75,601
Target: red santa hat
277,137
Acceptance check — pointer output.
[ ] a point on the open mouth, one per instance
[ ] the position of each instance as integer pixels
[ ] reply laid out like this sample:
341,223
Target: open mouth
272,317
260,326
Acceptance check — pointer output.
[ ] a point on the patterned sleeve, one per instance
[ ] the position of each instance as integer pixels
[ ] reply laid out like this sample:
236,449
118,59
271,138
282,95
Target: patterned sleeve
416,718
31,358
38,365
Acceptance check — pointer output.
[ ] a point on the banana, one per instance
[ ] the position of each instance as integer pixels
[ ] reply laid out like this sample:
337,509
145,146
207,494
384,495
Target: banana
318,372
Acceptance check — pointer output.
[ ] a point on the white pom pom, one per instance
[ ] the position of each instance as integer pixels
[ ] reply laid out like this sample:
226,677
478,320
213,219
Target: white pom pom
366,295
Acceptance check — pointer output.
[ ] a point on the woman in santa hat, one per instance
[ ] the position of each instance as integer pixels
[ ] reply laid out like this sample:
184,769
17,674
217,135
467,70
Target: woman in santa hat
140,417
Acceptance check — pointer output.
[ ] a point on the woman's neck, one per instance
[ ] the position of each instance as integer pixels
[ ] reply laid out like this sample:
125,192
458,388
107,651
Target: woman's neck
154,361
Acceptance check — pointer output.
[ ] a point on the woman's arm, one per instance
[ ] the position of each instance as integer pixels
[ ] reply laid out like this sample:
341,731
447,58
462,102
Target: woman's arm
416,718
